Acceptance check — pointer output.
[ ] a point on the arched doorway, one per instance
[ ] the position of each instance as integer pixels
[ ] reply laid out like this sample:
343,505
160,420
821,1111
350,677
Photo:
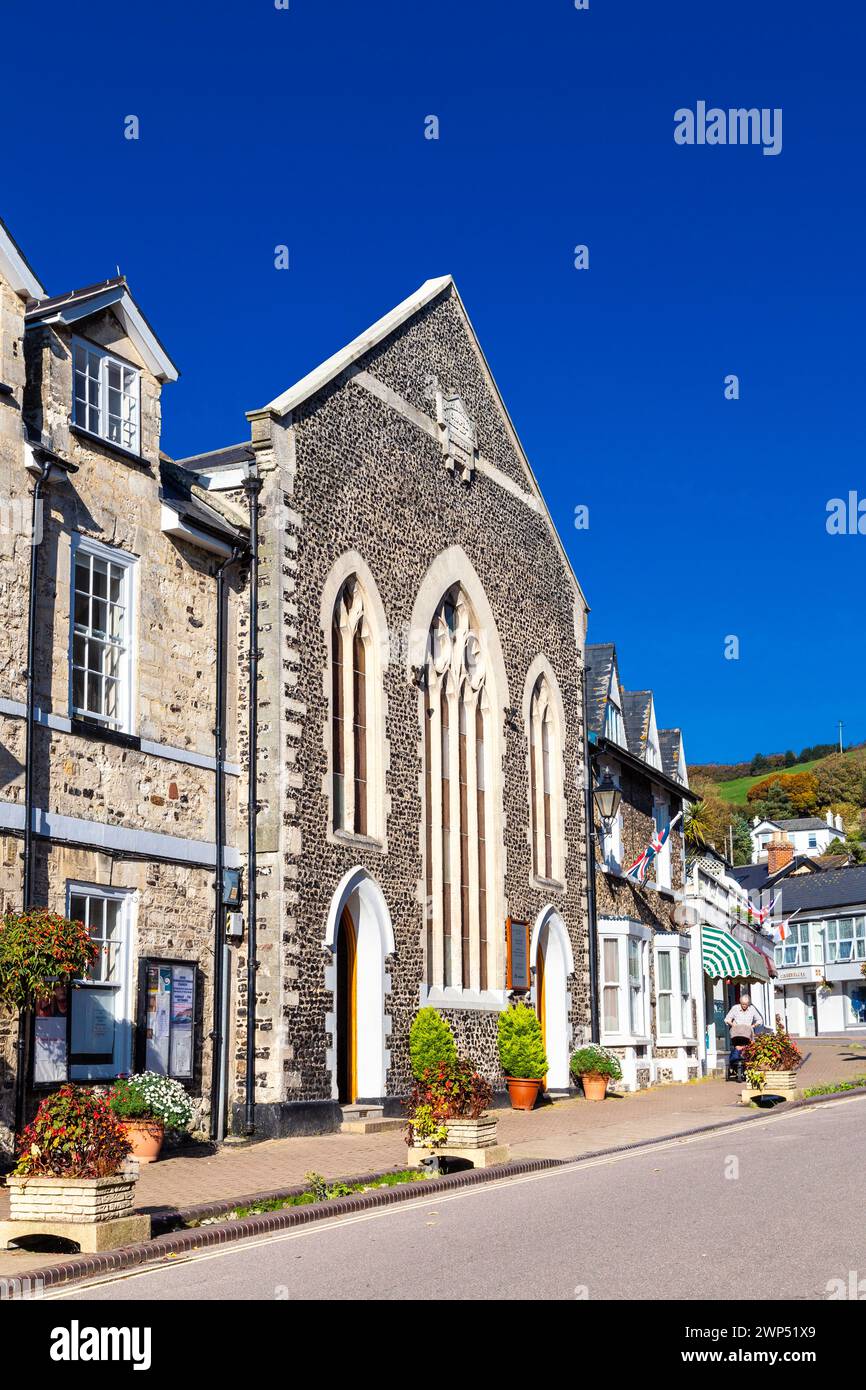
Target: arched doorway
360,937
554,963
347,1010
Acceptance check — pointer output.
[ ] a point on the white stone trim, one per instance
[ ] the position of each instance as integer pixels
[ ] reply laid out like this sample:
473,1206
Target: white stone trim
360,892
541,667
16,709
558,967
118,839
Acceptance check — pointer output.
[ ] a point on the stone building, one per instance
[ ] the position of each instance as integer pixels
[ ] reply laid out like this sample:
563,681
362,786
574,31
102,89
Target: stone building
649,968
123,709
420,768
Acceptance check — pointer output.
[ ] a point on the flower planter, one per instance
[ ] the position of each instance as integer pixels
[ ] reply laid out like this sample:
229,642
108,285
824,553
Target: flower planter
523,1091
94,1213
594,1085
465,1133
780,1081
145,1138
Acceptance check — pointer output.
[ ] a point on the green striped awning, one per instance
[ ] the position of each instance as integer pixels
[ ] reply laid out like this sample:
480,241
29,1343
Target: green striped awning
728,959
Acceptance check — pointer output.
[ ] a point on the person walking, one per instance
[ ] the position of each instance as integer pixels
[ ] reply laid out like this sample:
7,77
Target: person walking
743,1020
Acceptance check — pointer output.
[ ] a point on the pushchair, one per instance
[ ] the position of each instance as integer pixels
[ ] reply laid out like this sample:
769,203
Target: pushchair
736,1060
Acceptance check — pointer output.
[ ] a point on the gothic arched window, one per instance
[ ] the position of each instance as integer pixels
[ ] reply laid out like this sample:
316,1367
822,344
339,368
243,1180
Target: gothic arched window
545,784
354,740
459,807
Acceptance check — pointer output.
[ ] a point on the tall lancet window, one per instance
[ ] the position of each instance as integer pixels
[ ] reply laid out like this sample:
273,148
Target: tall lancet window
545,785
352,715
459,838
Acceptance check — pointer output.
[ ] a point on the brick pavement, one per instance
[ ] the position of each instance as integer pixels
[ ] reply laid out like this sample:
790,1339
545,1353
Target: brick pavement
566,1129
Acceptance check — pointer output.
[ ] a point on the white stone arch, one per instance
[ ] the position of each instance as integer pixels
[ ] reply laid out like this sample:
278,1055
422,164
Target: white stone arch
359,892
558,969
352,565
541,667
475,655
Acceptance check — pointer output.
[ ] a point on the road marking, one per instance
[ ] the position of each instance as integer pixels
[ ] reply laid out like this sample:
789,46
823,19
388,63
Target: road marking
337,1223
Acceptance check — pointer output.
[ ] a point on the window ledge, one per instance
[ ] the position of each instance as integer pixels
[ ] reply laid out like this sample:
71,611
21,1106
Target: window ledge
91,728
90,438
449,997
553,885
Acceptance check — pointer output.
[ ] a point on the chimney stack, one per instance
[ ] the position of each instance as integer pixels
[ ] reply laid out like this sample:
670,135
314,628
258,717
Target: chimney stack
780,852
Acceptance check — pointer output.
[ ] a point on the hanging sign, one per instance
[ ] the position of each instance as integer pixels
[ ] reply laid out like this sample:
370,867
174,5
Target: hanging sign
518,978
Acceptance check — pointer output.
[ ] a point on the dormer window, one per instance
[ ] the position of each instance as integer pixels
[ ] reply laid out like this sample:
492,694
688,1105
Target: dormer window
614,729
107,396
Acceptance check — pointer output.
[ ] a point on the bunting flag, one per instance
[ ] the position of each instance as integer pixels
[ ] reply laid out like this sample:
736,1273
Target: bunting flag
760,914
641,866
779,931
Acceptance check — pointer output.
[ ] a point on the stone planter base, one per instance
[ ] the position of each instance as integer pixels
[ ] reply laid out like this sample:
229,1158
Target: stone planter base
90,1237
478,1158
472,1134
71,1201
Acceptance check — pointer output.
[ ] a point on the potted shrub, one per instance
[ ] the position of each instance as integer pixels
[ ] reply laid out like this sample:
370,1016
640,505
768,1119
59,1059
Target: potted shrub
448,1107
431,1042
71,1168
146,1105
522,1055
773,1060
595,1066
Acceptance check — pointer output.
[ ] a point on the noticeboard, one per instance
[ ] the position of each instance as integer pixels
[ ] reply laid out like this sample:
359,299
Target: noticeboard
167,1010
518,978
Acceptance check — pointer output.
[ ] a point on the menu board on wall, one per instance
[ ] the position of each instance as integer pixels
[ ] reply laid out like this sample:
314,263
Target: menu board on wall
517,941
51,1038
169,1017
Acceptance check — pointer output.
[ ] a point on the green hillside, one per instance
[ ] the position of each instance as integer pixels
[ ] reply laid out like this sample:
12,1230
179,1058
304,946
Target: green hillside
736,790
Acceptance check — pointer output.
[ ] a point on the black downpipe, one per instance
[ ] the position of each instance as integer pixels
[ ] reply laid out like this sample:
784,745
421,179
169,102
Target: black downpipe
590,875
252,487
217,1038
30,720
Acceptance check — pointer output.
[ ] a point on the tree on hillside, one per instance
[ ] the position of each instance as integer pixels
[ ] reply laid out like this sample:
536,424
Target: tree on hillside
790,758
800,790
758,764
840,778
742,837
775,804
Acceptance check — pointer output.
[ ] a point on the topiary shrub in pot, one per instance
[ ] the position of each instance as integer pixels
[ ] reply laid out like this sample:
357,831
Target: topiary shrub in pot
146,1106
431,1043
72,1177
521,1055
595,1066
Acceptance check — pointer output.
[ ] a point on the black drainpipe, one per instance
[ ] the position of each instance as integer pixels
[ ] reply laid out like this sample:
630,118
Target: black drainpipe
27,887
590,875
252,487
217,1038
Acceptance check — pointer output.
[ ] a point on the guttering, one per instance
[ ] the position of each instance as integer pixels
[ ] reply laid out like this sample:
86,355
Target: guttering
252,488
217,1114
40,469
652,774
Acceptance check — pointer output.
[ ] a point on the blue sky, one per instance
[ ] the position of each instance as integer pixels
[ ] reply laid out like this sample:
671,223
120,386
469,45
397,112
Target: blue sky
305,127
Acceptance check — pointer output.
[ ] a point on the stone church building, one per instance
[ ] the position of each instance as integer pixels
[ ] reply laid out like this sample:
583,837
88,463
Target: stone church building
420,768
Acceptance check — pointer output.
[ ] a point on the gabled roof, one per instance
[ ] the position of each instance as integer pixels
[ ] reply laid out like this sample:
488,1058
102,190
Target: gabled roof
636,712
78,305
798,823
326,371
600,665
15,268
832,888
371,337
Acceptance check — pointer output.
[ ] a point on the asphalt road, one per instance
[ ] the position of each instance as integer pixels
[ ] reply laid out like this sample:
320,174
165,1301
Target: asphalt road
773,1209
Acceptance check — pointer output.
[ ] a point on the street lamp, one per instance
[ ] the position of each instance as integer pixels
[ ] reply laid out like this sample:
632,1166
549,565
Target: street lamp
607,797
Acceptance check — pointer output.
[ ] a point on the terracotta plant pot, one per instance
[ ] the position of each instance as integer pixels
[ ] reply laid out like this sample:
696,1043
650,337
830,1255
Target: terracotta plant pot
523,1092
594,1085
146,1138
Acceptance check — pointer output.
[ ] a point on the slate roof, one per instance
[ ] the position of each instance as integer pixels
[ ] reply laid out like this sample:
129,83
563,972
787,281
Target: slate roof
38,307
599,661
829,889
752,876
181,489
231,456
800,823
670,745
636,706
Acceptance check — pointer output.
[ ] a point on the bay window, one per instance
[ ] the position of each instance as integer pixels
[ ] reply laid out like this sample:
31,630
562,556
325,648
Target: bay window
846,940
623,946
673,992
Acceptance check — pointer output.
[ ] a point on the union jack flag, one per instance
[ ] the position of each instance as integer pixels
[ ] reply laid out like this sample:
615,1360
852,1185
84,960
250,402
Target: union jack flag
760,914
639,870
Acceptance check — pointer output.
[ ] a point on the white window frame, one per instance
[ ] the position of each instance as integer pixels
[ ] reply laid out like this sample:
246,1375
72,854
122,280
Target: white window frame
662,866
124,989
624,931
681,999
802,949
84,546
857,940
104,361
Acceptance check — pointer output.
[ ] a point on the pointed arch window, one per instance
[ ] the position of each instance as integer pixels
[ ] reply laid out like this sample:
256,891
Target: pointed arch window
545,784
354,732
459,809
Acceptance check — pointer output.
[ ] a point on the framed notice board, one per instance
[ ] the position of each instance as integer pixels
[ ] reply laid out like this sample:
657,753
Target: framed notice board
517,978
167,998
